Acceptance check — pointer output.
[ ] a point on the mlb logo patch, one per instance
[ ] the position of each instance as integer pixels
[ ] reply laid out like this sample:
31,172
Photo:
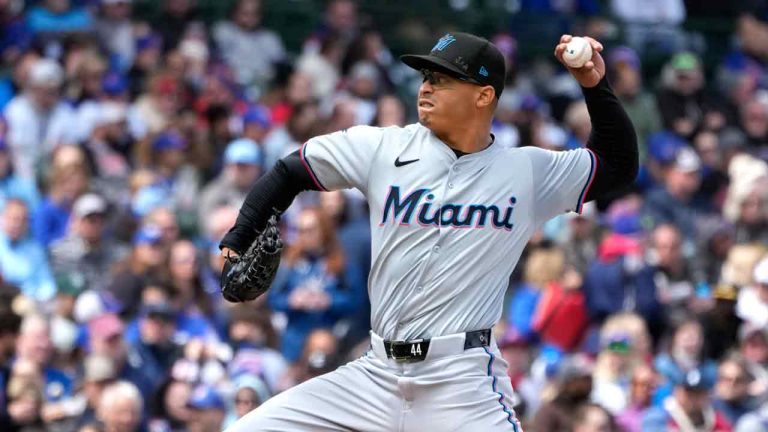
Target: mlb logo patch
443,42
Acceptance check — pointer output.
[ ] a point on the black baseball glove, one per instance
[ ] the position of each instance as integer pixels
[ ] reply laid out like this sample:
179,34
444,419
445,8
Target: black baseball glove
249,275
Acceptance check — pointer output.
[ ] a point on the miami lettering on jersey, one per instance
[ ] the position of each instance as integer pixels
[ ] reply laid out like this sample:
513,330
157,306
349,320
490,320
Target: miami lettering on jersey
419,203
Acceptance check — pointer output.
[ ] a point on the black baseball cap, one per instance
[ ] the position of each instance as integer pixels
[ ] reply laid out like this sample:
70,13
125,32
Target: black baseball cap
466,57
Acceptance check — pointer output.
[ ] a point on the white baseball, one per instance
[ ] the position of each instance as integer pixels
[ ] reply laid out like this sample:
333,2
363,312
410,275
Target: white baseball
577,52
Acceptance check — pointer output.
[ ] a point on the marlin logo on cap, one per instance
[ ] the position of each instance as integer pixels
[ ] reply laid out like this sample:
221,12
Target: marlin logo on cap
443,42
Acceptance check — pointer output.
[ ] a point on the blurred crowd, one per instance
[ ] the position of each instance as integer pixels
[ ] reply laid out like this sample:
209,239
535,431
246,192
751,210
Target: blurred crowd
128,143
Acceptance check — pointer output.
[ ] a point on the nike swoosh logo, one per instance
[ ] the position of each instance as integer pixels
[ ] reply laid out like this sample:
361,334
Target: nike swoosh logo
399,163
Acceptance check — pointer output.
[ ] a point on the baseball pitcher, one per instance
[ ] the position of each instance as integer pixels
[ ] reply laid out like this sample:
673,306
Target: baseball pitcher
450,214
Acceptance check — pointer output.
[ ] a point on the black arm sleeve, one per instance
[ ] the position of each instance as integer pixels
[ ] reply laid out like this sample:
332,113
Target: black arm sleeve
275,189
612,140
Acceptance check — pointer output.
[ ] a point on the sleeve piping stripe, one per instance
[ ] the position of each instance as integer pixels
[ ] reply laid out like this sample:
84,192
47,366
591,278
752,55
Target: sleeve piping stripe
305,162
592,172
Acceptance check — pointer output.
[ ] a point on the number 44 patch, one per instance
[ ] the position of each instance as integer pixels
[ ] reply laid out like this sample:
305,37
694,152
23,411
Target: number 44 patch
416,349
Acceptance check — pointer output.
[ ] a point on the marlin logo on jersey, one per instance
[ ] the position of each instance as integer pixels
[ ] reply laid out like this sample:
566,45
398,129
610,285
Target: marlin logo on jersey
419,203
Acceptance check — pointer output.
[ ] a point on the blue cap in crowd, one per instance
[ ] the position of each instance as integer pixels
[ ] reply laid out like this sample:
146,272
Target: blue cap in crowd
259,115
148,234
206,397
169,141
114,84
624,55
149,198
148,41
694,379
243,151
161,310
531,102
663,146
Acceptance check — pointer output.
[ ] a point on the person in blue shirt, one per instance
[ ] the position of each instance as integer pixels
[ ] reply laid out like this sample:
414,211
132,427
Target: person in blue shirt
685,353
23,260
155,348
57,16
13,186
350,218
35,348
69,178
311,289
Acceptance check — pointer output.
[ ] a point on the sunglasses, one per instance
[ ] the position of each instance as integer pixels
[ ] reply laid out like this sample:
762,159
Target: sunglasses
435,79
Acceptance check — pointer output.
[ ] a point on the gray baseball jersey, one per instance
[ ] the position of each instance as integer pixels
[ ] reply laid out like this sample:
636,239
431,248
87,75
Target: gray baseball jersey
446,231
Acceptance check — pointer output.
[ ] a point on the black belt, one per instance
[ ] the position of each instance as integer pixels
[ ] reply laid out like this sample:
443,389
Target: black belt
416,350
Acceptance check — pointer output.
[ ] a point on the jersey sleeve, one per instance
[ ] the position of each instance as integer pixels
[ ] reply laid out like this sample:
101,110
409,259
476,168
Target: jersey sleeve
342,160
561,180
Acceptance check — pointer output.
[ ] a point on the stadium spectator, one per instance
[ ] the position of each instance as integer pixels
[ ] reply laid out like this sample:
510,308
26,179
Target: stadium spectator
109,146
170,411
752,304
208,410
10,325
672,202
685,354
38,120
248,48
753,347
120,407
254,342
543,266
14,186
105,337
22,259
99,371
688,408
593,418
59,17
561,301
672,273
573,386
288,138
612,371
313,290
166,221
192,295
143,263
721,325
389,112
746,200
684,105
626,76
618,280
115,30
340,19
243,161
35,350
754,122
640,394
731,393
155,350
148,61
85,249
67,179
753,421
250,393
